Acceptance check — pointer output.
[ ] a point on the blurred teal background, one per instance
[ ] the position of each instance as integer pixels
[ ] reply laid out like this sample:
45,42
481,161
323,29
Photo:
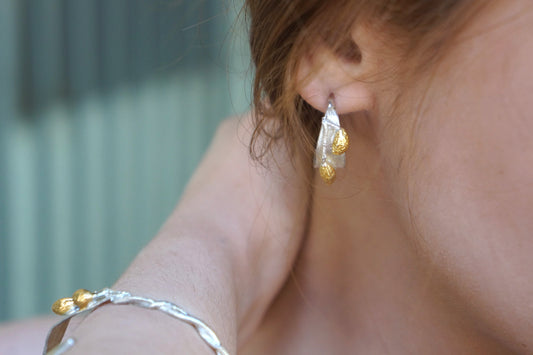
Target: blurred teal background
106,107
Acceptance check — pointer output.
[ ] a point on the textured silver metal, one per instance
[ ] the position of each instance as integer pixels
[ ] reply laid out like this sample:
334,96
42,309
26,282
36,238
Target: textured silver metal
324,153
122,297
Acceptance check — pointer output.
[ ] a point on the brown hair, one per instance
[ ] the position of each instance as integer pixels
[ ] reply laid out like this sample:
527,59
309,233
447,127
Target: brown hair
282,31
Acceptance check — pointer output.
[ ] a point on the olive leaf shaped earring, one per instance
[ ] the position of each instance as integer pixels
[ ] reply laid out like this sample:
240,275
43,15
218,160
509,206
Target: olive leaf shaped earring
332,143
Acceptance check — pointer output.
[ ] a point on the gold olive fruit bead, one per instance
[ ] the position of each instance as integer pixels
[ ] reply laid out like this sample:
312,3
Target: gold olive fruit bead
341,142
63,305
327,173
82,298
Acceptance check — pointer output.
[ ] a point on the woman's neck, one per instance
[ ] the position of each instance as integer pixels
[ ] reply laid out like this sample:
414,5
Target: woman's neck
363,267
362,283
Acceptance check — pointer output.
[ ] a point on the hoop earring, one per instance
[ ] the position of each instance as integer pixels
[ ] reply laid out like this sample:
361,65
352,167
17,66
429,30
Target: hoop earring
332,143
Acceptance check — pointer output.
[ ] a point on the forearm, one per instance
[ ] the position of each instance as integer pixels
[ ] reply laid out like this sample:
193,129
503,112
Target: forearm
223,255
192,271
26,336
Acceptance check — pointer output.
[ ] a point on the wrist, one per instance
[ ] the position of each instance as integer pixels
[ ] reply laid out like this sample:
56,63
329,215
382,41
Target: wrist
129,329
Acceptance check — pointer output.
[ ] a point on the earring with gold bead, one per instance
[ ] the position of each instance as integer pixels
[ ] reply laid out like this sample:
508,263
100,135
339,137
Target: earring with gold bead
332,144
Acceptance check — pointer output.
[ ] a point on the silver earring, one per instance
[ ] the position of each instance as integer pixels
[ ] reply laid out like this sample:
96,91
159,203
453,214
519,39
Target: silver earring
332,143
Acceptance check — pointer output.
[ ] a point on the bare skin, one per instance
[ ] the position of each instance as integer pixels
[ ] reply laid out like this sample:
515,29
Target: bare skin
25,337
220,256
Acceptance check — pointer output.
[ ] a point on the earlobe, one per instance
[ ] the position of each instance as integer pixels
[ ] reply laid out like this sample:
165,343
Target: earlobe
325,73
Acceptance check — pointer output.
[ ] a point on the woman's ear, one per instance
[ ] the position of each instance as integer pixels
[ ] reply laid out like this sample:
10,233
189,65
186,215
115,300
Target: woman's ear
324,72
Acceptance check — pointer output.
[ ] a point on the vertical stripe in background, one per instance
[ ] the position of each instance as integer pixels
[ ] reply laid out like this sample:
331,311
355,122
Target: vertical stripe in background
8,102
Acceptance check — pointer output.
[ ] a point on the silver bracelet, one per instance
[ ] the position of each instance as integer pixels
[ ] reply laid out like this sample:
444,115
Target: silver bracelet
84,301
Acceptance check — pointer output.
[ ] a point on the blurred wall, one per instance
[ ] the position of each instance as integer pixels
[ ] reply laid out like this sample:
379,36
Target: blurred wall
106,106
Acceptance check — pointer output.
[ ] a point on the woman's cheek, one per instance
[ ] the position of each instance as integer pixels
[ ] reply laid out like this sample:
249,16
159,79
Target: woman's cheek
472,200
461,168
